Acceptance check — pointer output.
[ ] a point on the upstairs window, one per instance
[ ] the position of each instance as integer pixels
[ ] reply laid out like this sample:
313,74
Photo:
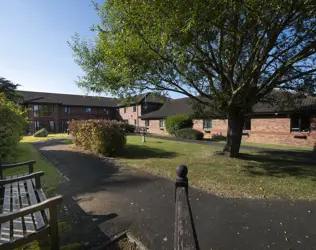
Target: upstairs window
67,110
43,110
134,108
247,124
207,123
300,124
87,110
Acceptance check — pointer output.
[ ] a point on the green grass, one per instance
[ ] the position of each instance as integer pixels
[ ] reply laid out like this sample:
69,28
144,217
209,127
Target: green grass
26,152
254,175
30,138
67,141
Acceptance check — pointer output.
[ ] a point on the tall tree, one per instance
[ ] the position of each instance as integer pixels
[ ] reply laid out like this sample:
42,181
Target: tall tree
8,88
222,53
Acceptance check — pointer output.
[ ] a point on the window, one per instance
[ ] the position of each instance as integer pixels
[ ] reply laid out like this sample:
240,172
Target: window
124,109
67,110
247,124
43,110
300,123
207,124
146,123
161,123
134,121
52,126
87,110
37,125
105,111
134,108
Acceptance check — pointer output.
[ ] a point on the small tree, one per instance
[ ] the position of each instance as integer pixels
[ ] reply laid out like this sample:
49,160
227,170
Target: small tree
12,123
8,88
226,55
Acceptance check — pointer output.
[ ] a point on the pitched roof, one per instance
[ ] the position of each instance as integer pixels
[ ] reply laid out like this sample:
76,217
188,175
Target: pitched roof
66,99
149,97
275,104
172,107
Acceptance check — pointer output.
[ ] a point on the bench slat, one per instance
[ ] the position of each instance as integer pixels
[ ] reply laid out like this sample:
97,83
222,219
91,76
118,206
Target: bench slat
39,221
28,220
17,223
42,197
5,227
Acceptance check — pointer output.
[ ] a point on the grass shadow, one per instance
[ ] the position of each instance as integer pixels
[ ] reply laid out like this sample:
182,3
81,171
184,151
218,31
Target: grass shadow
144,152
279,163
216,138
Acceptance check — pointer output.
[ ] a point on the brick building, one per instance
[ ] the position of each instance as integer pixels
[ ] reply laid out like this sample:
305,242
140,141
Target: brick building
52,111
268,123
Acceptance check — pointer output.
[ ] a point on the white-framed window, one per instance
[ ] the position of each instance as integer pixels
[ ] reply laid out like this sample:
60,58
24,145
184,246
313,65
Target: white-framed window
207,123
67,110
35,109
146,123
105,111
300,123
161,123
134,108
87,110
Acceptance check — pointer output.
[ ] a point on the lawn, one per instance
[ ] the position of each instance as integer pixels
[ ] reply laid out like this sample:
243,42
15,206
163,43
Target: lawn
30,138
257,174
26,152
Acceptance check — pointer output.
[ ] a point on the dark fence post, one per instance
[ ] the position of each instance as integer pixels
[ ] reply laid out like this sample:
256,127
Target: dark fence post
184,234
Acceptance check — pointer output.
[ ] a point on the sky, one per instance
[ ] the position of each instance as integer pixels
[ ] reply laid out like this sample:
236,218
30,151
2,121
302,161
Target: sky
33,42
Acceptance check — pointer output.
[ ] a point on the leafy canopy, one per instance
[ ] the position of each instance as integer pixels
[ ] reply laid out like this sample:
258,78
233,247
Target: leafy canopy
221,53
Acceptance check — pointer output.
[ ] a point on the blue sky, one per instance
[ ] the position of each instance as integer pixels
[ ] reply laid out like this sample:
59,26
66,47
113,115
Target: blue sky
33,45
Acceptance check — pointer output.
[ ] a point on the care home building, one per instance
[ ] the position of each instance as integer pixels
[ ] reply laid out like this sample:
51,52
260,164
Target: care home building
52,111
268,123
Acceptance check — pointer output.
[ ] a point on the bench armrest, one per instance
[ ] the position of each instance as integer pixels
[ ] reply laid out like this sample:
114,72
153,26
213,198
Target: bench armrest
27,163
52,202
35,175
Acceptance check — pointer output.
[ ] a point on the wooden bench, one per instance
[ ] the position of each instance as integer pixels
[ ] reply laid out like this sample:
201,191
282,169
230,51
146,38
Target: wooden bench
25,212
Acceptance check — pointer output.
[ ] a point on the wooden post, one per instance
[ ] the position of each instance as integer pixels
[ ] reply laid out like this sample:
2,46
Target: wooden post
31,169
53,222
143,137
185,235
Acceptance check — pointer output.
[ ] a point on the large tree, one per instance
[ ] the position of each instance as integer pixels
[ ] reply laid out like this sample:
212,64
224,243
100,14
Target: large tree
8,88
222,53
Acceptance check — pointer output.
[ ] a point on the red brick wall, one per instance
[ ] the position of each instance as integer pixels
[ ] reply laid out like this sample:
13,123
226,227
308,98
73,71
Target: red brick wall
130,115
154,127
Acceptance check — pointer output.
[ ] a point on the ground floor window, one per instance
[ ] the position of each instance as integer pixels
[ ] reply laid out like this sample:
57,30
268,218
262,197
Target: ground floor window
52,126
300,123
135,122
207,123
146,123
37,125
161,123
247,124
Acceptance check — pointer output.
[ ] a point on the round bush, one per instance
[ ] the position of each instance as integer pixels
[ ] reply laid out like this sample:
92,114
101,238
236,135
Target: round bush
41,133
189,133
177,122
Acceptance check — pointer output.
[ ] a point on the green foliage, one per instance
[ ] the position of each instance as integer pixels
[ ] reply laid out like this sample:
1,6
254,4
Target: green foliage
176,122
188,133
126,127
41,133
99,136
226,55
9,89
12,123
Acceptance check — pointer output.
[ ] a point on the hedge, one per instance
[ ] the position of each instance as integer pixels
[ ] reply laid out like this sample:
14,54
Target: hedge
188,133
99,136
12,123
176,122
41,133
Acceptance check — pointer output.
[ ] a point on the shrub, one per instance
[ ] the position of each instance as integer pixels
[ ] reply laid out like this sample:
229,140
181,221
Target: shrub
41,133
12,123
98,136
189,133
126,127
176,122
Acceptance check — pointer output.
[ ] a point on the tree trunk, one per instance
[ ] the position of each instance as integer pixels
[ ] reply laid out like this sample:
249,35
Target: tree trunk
234,133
